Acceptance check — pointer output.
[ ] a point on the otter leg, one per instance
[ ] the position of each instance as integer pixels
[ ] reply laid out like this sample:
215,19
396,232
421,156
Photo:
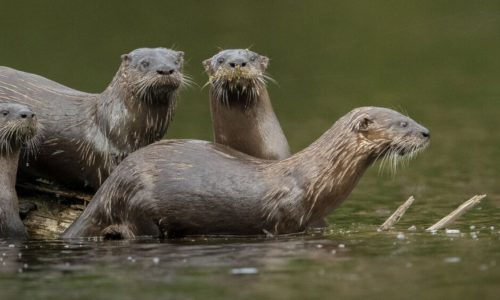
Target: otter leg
117,232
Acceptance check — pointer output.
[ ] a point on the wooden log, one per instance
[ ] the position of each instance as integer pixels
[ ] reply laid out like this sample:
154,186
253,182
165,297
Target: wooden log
396,216
450,218
49,210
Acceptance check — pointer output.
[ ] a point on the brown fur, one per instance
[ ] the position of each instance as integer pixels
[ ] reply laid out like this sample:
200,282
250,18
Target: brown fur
86,135
242,114
17,127
187,187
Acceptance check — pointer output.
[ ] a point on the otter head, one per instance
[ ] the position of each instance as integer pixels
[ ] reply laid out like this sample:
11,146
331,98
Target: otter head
388,135
154,73
18,126
237,75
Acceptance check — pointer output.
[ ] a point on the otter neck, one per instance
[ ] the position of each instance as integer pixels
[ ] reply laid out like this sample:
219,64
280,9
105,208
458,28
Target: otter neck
328,169
131,120
248,125
8,171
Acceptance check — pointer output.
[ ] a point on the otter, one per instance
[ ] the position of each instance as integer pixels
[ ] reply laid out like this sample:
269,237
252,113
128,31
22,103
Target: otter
175,188
18,127
86,135
242,114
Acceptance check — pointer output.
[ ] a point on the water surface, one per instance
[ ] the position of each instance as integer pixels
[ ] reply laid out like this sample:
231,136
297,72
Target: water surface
434,60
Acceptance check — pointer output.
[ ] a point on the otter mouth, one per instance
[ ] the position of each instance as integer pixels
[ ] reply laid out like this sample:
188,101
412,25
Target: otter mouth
160,86
238,85
17,134
400,152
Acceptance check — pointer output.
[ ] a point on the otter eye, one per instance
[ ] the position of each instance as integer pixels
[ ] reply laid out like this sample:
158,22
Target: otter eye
5,112
404,124
220,60
177,62
253,58
145,63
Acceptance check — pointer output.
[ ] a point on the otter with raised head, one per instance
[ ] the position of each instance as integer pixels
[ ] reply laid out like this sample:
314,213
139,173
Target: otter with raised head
187,187
242,114
86,135
17,128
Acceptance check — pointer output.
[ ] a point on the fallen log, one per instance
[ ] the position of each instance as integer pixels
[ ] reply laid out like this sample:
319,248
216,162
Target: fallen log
47,210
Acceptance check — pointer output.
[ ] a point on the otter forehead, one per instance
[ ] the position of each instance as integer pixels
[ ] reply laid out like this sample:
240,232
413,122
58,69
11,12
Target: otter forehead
232,58
235,53
384,120
159,53
14,111
159,60
13,107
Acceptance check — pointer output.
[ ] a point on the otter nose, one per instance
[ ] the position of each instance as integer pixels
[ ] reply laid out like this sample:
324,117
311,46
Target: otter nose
238,62
426,134
165,70
26,114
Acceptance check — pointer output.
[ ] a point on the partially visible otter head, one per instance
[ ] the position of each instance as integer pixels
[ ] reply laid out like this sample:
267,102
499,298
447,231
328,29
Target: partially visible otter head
154,73
237,76
387,134
18,126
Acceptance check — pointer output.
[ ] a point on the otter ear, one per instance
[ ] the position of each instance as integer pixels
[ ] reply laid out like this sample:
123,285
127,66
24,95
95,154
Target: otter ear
180,54
264,61
125,57
207,64
362,123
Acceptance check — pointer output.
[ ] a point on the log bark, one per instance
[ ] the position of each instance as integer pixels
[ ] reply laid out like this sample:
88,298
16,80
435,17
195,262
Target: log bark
49,211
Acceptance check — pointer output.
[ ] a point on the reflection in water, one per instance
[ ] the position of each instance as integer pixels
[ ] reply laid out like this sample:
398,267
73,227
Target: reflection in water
357,262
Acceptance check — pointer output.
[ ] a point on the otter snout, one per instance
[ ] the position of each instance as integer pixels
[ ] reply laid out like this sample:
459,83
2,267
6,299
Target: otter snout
426,134
237,62
165,70
26,114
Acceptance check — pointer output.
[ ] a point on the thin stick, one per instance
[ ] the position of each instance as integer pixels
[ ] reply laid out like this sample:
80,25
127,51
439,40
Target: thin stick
456,213
394,218
66,194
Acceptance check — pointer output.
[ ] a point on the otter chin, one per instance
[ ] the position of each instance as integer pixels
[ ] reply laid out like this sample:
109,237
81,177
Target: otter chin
18,128
86,135
242,114
186,187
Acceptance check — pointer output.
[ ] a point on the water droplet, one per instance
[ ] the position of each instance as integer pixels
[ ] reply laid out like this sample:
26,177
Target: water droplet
244,271
341,246
452,260
156,260
400,236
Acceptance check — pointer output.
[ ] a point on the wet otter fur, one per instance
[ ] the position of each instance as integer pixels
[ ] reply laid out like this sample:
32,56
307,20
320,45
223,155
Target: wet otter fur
86,135
18,127
242,114
186,187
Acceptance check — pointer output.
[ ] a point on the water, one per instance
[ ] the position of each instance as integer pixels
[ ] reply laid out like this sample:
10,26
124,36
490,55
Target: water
435,60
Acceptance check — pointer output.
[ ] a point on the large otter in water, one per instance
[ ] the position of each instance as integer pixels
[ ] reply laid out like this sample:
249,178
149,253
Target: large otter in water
17,128
187,187
86,135
242,114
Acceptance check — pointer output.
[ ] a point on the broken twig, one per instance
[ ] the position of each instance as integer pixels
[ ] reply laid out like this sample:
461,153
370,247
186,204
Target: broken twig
57,192
456,213
394,218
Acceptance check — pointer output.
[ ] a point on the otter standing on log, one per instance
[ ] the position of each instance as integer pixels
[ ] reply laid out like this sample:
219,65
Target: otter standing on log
17,127
85,135
188,187
242,114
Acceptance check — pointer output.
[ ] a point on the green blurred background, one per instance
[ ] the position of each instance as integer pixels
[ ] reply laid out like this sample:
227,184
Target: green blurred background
438,61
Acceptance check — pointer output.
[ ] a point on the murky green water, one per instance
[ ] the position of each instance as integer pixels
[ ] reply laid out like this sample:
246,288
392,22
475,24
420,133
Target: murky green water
436,60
